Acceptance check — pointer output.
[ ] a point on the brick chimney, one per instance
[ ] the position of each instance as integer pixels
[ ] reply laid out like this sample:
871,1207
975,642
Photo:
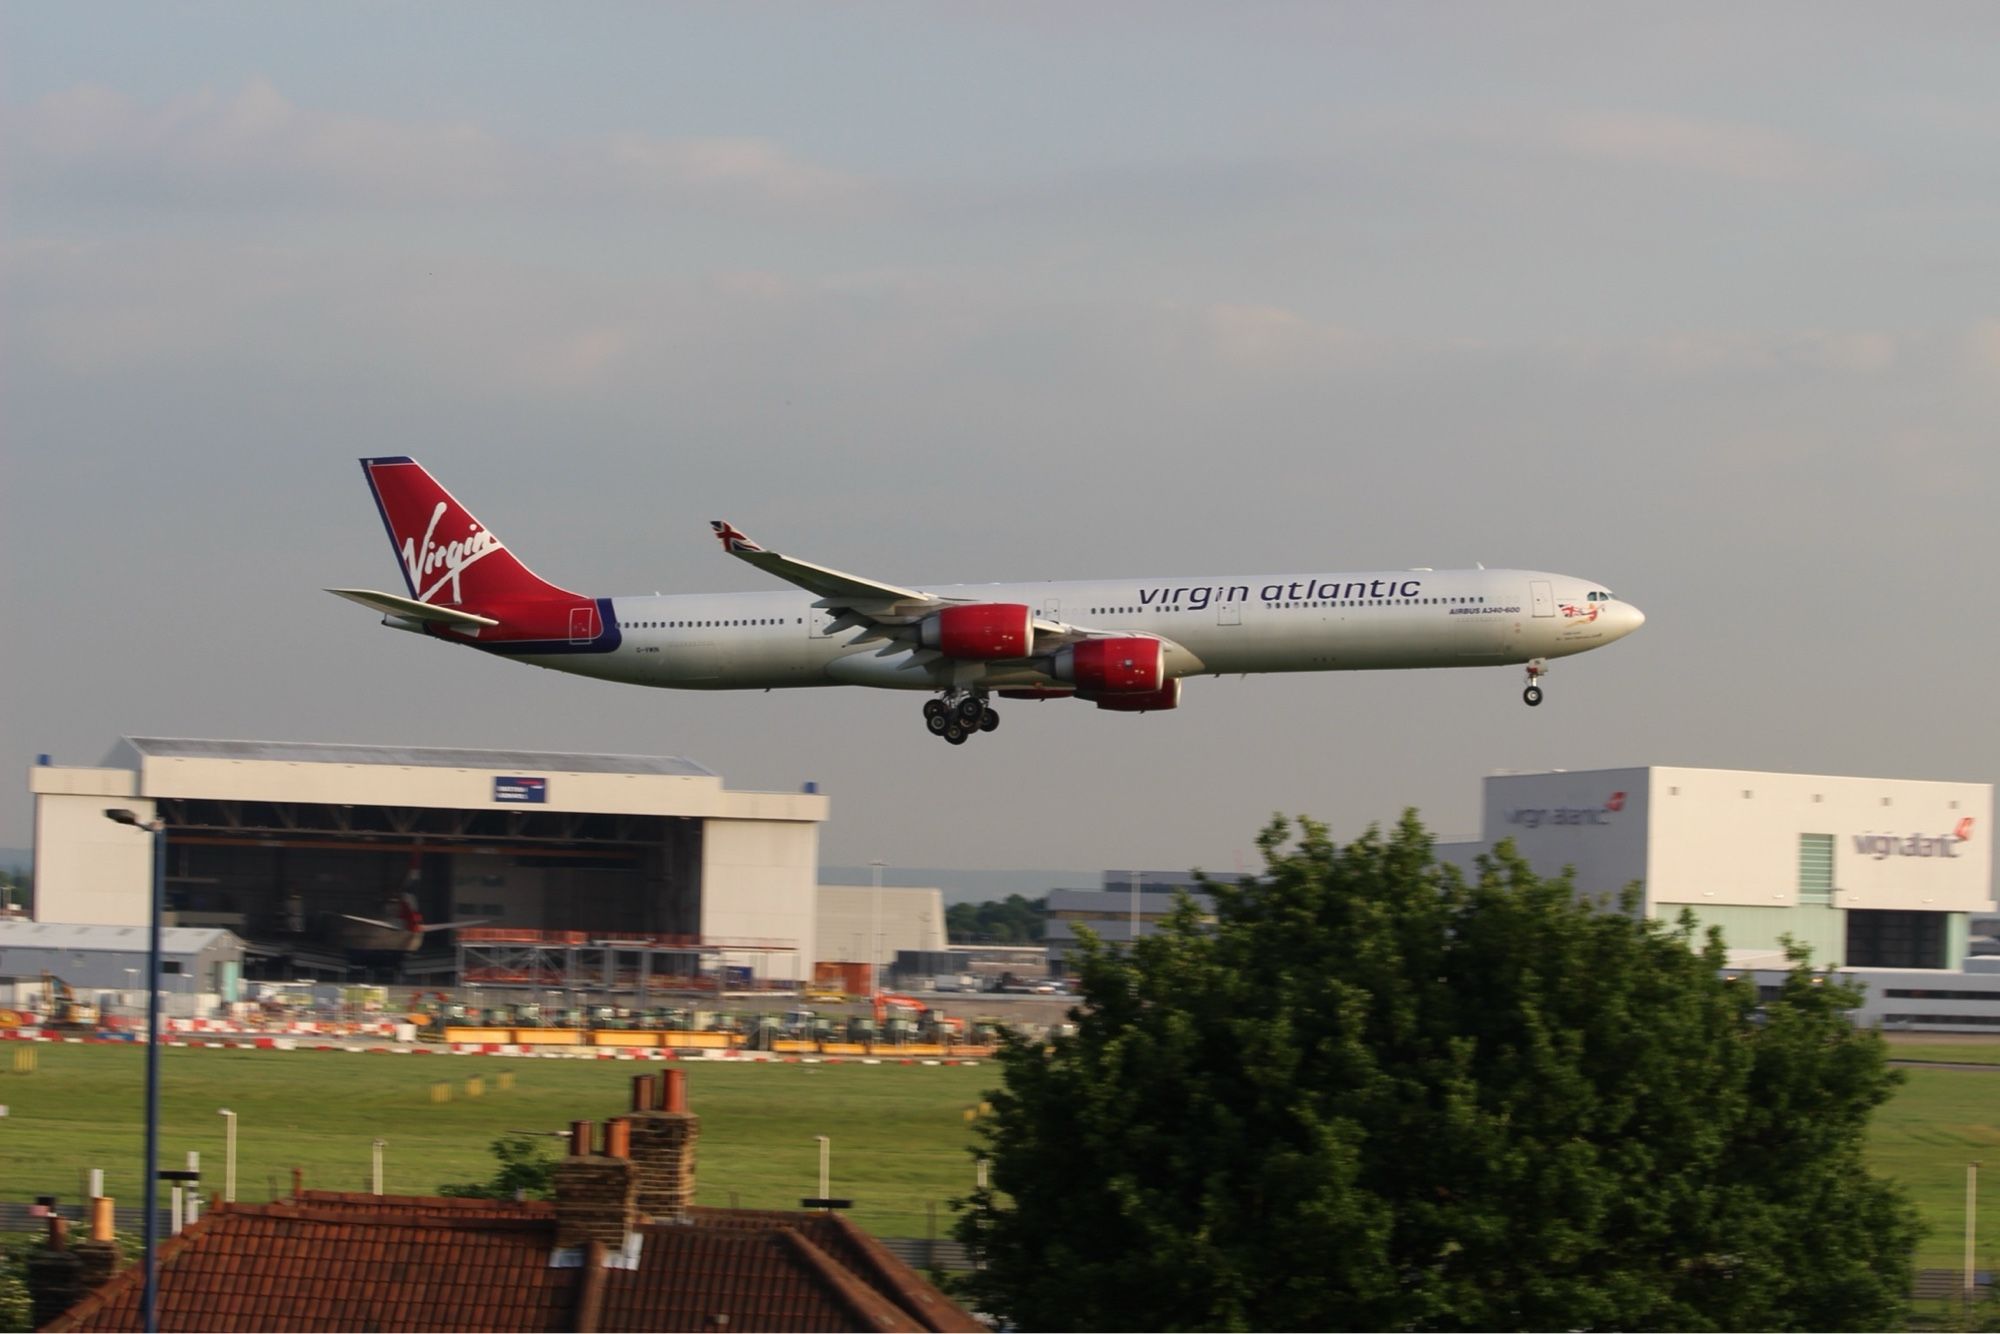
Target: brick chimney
597,1193
55,1275
664,1132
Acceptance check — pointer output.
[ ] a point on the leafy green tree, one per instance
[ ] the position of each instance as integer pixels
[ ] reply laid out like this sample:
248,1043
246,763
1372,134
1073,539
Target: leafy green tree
1372,1094
526,1172
1014,920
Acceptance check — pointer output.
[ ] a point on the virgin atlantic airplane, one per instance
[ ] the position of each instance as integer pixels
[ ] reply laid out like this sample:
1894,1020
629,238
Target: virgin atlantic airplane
1122,644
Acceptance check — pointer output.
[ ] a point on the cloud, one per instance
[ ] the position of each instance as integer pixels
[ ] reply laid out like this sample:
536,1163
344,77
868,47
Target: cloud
260,147
1982,348
1699,147
753,168
1711,352
1262,337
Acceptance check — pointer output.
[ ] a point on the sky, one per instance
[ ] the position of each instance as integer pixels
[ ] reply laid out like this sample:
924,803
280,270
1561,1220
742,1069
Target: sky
1695,299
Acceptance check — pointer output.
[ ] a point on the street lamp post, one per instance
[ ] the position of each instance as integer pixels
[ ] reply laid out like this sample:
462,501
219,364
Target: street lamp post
228,1155
1135,916
149,1295
875,935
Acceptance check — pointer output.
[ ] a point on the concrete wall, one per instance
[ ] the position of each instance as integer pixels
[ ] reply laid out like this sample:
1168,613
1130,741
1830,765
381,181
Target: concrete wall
1723,836
758,885
910,919
1594,821
88,870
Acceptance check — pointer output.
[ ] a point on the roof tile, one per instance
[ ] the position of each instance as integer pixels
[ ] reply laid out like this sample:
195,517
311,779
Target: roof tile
334,1261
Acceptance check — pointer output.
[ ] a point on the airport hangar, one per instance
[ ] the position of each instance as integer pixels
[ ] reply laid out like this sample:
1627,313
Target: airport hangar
1881,878
278,841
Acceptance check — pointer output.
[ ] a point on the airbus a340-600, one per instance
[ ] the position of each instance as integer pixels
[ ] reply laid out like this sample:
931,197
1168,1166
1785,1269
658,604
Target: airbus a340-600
1121,644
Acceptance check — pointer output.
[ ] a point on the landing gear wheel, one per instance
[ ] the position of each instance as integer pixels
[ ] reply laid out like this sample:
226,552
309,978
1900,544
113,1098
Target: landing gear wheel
970,710
934,707
988,720
937,721
1532,696
954,732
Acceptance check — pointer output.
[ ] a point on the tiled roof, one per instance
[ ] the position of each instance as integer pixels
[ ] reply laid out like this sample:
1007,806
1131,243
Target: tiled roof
327,1261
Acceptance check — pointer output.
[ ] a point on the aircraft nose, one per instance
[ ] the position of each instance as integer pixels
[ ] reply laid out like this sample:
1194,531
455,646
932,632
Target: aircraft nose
1630,618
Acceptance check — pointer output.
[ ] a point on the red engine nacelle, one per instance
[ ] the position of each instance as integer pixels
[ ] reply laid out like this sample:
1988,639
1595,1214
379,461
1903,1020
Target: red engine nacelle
1113,666
1167,696
982,631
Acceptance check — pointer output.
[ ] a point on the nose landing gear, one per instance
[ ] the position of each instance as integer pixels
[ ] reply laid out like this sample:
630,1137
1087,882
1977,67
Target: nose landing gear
956,717
1537,668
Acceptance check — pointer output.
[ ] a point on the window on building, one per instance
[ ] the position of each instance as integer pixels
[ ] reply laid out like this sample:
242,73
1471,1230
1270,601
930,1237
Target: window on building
1815,868
1878,938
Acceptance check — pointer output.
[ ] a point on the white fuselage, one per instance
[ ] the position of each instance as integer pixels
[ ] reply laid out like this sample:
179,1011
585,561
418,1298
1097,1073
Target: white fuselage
1215,626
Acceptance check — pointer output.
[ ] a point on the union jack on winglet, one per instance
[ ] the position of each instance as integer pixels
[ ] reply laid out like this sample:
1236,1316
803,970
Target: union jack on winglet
732,540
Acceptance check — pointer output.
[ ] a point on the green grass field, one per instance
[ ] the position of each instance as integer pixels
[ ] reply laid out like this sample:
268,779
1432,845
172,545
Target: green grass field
900,1134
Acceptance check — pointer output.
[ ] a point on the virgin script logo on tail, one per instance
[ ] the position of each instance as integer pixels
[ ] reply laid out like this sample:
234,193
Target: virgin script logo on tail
454,557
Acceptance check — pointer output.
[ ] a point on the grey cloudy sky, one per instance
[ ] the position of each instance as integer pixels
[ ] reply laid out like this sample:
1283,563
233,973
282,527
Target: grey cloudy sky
1696,299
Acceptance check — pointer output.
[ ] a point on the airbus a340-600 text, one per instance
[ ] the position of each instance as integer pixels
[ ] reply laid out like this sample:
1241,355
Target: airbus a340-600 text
1123,645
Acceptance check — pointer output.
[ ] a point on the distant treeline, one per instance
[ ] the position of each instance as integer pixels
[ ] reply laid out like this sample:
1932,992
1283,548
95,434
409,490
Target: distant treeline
1014,920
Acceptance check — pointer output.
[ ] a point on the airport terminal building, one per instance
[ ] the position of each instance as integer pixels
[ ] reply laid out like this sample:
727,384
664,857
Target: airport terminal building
286,843
1881,878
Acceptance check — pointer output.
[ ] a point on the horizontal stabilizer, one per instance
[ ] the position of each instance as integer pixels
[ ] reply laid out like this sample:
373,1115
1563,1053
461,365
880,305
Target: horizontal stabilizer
429,927
389,604
370,921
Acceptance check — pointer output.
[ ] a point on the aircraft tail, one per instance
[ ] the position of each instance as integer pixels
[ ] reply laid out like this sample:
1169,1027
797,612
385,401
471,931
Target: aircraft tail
449,558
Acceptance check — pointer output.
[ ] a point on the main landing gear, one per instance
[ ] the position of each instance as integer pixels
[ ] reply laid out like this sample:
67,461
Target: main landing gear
1537,669
956,717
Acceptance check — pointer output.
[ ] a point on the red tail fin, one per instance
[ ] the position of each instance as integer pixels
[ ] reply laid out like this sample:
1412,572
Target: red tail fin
448,557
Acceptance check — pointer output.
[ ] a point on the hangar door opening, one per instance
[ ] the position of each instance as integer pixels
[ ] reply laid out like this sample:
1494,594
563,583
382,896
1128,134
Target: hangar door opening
361,881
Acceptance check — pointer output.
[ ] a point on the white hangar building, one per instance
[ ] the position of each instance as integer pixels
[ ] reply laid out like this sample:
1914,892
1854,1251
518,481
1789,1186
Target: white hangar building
279,842
1879,877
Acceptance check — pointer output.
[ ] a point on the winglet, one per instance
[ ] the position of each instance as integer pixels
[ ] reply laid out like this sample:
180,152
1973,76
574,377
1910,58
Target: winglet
732,541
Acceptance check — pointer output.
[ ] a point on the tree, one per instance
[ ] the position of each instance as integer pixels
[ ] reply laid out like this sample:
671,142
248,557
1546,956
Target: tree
525,1173
1374,1095
1014,920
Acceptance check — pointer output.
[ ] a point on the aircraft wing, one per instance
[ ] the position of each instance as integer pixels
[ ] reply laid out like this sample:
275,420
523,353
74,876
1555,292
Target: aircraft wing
870,606
389,604
837,591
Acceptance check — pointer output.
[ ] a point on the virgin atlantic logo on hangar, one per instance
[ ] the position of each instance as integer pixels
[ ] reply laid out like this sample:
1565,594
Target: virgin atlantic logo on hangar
1534,817
1884,846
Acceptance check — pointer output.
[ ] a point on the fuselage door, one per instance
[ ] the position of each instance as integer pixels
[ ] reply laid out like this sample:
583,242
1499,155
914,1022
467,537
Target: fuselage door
1543,596
1229,613
582,624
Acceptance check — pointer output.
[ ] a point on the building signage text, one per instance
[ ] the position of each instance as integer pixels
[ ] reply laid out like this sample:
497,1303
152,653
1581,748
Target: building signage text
1884,846
532,791
1534,817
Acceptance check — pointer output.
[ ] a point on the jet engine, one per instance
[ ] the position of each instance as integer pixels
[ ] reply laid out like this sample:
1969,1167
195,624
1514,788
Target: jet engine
980,631
1113,666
